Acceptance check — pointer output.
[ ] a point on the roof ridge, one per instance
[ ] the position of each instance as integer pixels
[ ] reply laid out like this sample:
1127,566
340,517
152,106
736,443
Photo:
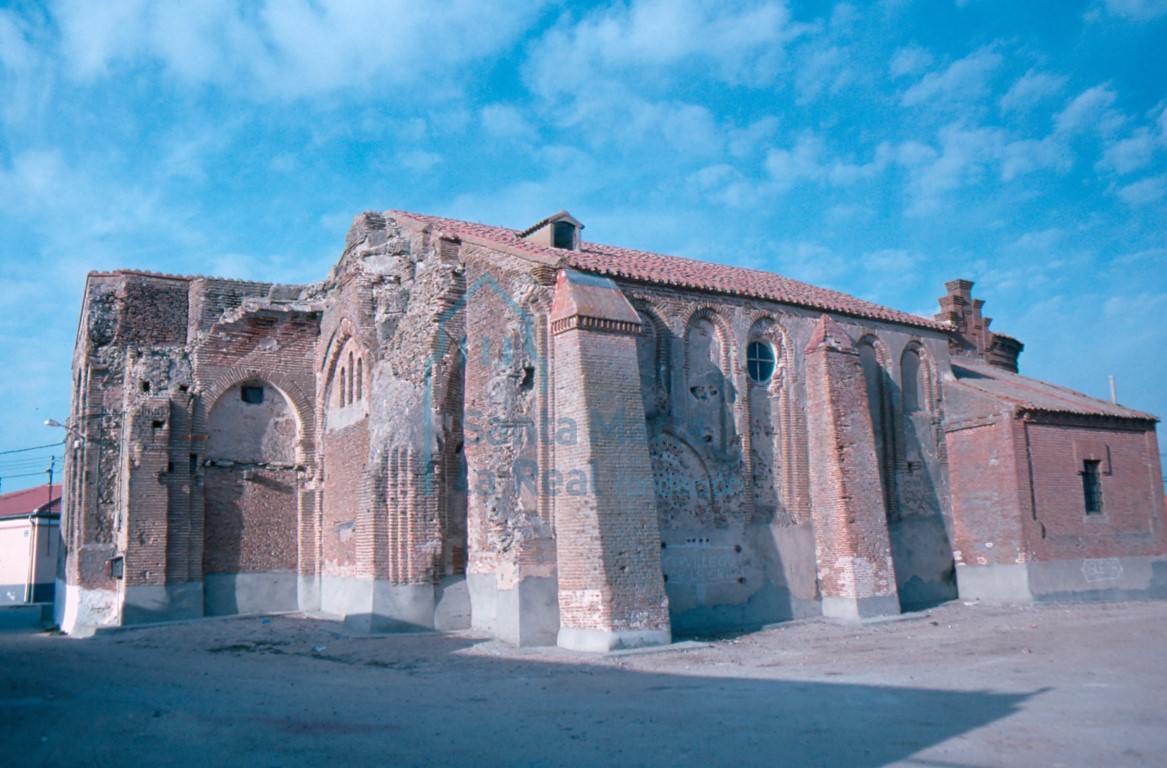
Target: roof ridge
188,278
1057,392
650,267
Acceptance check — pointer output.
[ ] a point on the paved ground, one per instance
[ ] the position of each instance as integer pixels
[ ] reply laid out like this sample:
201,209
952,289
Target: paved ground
958,686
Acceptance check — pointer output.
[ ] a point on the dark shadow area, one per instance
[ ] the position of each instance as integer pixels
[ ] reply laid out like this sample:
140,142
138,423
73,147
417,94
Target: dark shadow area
25,618
772,604
223,520
288,693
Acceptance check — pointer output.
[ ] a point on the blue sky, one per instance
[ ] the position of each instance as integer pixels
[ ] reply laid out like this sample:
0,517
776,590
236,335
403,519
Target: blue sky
878,149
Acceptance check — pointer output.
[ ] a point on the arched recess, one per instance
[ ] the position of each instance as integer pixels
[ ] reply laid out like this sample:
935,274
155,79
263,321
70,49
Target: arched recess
917,379
345,371
683,486
653,353
876,362
771,432
343,415
251,532
918,493
921,547
706,417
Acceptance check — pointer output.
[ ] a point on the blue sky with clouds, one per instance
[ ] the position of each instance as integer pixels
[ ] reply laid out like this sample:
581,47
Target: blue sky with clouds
878,149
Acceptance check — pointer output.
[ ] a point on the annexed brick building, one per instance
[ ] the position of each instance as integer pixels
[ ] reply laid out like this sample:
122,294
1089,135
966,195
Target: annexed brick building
558,441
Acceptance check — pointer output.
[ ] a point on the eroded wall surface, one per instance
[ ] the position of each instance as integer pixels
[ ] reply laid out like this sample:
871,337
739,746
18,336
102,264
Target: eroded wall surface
421,441
731,473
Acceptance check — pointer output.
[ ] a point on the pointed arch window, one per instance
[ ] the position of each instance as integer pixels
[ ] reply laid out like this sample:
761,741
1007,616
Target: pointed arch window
912,389
350,378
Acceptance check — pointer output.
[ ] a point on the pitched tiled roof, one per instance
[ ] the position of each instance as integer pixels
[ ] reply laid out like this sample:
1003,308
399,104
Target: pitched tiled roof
30,500
642,266
1033,395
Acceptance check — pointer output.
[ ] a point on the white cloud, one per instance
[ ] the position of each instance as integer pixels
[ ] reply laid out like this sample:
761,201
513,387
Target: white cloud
648,37
890,261
1140,10
844,17
36,176
16,53
1141,305
507,122
420,161
822,70
909,61
810,262
285,162
842,172
788,167
288,49
1130,154
1028,155
1144,192
806,162
963,80
25,77
725,185
1030,90
1089,110
611,116
743,141
914,153
1153,258
848,212
965,155
1038,242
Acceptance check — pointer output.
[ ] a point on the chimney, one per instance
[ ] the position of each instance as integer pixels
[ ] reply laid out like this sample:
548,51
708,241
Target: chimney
969,333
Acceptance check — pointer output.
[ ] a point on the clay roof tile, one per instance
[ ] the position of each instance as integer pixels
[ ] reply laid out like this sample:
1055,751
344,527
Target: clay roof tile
675,271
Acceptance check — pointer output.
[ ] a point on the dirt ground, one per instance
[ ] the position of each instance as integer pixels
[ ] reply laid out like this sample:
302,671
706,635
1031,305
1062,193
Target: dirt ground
960,685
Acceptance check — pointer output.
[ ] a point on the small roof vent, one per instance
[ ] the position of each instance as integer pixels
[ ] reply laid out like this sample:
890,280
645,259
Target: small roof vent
558,231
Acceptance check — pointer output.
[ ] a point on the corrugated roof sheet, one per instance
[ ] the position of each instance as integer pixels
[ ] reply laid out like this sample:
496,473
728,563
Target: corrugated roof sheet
1034,395
678,272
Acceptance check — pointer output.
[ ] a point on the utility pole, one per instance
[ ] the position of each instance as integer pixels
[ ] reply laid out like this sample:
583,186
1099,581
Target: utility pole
52,461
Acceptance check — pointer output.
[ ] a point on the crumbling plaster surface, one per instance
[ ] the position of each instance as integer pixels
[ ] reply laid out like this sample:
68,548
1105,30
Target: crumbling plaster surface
506,427
252,433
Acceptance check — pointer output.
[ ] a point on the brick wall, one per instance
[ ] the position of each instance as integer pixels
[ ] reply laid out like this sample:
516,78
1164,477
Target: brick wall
850,524
608,538
346,456
1131,522
506,424
250,524
989,478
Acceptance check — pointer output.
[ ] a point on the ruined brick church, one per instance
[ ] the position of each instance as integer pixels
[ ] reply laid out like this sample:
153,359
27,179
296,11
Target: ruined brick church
554,441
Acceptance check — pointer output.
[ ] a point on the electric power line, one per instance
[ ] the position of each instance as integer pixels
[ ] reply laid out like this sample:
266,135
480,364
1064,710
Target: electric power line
16,466
28,474
33,448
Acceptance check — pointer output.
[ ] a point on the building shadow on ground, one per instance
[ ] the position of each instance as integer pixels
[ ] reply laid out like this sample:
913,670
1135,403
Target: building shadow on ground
287,696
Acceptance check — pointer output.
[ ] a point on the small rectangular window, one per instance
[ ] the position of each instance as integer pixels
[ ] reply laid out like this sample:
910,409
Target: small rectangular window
1092,486
251,394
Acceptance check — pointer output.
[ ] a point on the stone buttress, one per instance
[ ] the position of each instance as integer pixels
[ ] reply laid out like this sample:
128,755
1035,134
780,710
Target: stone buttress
611,590
856,577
